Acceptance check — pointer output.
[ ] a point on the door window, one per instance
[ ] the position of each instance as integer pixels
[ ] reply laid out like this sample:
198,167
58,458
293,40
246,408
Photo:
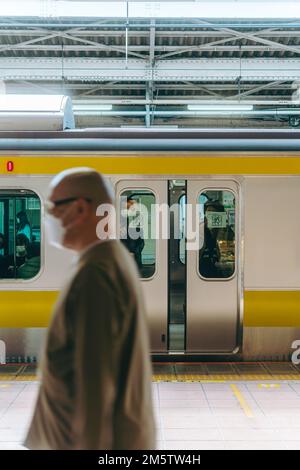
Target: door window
217,234
137,228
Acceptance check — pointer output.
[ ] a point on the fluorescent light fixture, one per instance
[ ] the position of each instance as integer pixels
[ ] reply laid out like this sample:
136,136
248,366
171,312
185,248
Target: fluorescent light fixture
220,107
256,9
92,107
31,103
36,112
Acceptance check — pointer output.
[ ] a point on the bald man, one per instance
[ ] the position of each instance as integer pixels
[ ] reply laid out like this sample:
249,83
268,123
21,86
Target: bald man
95,390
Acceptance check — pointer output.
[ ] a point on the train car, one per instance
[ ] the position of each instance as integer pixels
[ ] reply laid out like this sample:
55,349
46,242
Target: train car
236,295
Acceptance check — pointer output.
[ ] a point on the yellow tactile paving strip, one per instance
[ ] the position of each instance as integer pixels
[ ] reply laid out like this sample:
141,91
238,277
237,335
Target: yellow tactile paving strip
17,372
224,372
187,372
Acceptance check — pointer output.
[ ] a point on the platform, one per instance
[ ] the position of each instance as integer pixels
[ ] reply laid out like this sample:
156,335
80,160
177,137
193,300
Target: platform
197,406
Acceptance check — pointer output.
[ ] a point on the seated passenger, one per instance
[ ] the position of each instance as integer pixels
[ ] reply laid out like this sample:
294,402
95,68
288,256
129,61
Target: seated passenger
32,262
22,243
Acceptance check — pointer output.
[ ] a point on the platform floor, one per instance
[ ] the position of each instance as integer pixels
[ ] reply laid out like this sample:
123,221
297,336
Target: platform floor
202,406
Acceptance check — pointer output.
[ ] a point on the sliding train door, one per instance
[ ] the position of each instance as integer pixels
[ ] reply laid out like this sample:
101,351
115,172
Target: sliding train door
212,266
142,219
185,240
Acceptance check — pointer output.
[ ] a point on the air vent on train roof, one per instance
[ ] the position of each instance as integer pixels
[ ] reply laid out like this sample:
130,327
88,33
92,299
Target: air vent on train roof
36,113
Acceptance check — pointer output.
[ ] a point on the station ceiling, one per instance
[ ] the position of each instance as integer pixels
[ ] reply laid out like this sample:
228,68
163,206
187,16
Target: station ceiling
153,71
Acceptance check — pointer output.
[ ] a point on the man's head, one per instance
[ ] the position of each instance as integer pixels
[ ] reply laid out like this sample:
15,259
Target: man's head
74,197
131,201
22,218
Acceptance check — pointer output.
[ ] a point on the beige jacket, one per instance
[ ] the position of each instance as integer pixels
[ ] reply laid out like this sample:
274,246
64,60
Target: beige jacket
95,388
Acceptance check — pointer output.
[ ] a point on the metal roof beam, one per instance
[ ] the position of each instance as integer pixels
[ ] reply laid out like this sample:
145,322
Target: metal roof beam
137,86
205,89
180,100
93,89
43,33
185,32
70,34
90,45
256,38
102,46
182,50
175,49
9,47
227,69
152,44
138,70
232,36
256,89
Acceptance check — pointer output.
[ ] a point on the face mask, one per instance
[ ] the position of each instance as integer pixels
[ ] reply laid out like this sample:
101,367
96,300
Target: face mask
133,210
55,231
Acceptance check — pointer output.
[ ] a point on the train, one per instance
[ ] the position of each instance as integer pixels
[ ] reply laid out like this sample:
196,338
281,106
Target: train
245,186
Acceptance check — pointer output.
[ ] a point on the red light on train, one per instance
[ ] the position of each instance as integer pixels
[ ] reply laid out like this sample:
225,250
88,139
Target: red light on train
10,166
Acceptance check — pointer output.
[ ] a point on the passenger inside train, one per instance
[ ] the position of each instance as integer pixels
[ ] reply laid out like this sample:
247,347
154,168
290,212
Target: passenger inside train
23,225
217,255
136,230
20,234
133,230
28,258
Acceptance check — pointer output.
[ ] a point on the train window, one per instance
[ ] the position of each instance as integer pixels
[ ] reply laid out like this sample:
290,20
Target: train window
137,228
217,224
20,234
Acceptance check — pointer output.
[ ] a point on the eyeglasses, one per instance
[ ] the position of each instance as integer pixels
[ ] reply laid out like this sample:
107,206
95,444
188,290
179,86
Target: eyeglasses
51,205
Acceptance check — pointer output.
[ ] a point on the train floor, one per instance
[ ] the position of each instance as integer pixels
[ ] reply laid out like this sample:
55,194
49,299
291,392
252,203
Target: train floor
197,406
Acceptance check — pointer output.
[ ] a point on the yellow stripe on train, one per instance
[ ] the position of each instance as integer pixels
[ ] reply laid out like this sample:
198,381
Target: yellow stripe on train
32,309
200,163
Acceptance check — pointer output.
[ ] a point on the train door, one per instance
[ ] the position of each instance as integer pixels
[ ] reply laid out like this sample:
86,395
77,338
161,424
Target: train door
142,207
212,267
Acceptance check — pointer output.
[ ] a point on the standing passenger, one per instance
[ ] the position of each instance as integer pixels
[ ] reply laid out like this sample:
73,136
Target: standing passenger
23,225
95,390
134,237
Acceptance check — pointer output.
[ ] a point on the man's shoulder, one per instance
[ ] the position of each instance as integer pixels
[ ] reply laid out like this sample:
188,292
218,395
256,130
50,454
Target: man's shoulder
104,262
90,273
102,252
110,255
111,265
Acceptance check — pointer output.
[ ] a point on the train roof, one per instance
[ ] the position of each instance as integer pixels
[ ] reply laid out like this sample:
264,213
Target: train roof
143,139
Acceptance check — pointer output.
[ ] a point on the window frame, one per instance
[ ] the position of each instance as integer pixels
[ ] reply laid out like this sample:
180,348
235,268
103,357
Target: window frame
12,193
153,193
184,234
234,274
